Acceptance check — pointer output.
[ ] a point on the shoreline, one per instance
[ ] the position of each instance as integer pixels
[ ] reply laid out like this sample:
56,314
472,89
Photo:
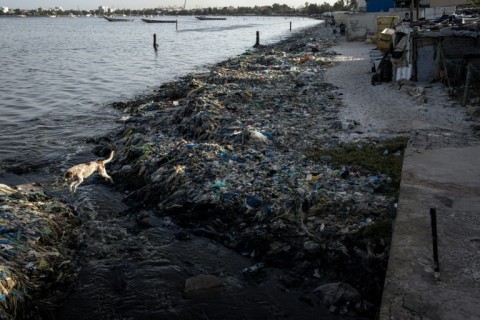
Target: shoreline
241,155
254,158
227,154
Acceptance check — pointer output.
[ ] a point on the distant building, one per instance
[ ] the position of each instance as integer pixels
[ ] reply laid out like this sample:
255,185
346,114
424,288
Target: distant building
379,5
104,9
4,9
171,8
56,9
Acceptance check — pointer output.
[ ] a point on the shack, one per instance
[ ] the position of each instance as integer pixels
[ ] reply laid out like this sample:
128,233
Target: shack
447,55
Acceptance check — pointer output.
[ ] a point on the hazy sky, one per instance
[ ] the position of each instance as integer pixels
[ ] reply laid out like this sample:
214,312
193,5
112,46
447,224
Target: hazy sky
140,4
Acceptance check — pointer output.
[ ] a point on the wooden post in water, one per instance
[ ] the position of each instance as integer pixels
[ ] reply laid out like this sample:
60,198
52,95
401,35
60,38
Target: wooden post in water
290,25
257,44
176,24
155,45
467,85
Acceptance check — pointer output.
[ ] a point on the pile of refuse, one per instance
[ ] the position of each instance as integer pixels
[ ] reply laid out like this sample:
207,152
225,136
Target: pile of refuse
229,126
38,238
225,153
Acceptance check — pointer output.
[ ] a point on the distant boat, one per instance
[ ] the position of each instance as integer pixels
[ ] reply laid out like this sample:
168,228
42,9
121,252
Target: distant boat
53,16
22,15
117,19
210,18
158,21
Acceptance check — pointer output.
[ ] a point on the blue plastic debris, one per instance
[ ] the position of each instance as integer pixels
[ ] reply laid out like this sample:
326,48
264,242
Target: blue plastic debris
219,184
252,202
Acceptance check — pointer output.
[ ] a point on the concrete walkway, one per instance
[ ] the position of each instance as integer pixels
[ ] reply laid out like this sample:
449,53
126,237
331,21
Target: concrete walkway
447,180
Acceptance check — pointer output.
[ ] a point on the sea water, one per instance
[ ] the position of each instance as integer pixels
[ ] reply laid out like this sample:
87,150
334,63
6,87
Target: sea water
58,75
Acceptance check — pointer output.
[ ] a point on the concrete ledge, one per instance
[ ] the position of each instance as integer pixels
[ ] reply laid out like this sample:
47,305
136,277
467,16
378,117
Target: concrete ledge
449,181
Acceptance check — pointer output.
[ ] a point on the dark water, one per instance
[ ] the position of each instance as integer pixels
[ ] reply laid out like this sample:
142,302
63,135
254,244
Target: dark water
58,74
133,273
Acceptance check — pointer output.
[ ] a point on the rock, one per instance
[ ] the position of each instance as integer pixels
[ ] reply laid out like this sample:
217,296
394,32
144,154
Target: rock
473,111
207,233
338,293
311,246
182,236
150,222
202,284
255,273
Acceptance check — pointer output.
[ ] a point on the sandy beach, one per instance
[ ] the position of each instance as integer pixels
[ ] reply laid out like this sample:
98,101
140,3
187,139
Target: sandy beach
390,109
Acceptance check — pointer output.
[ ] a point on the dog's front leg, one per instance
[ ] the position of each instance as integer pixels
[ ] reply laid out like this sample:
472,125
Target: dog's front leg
77,183
70,187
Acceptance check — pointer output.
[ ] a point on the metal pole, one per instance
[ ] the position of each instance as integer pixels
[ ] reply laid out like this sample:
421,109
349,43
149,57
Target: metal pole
433,221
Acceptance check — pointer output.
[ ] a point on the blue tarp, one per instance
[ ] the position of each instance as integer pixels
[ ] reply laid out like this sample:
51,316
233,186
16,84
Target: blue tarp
379,5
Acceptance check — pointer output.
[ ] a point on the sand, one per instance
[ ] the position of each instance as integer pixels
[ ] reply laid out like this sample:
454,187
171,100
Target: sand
390,109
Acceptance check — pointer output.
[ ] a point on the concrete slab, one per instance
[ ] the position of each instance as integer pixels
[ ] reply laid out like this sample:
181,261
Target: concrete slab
447,180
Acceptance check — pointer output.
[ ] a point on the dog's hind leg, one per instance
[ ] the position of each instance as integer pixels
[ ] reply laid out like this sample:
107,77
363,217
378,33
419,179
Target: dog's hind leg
104,174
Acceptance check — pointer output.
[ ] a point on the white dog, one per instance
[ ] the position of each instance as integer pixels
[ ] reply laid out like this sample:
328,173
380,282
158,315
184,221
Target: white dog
82,171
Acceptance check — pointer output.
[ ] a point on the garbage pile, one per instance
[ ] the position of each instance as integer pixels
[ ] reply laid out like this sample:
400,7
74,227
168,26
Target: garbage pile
468,21
37,241
226,154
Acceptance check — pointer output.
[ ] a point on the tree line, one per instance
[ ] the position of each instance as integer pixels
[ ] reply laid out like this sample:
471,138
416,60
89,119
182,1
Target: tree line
275,9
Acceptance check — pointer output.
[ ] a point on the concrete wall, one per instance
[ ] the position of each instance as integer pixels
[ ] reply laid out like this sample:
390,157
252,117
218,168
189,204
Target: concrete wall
359,24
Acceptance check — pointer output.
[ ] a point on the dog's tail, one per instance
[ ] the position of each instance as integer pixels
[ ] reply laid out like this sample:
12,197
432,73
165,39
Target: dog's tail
109,158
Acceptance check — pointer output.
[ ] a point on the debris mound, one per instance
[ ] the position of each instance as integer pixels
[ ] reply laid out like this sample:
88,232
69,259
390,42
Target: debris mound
38,239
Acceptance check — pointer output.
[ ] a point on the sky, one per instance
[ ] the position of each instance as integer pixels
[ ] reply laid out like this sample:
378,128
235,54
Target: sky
140,4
